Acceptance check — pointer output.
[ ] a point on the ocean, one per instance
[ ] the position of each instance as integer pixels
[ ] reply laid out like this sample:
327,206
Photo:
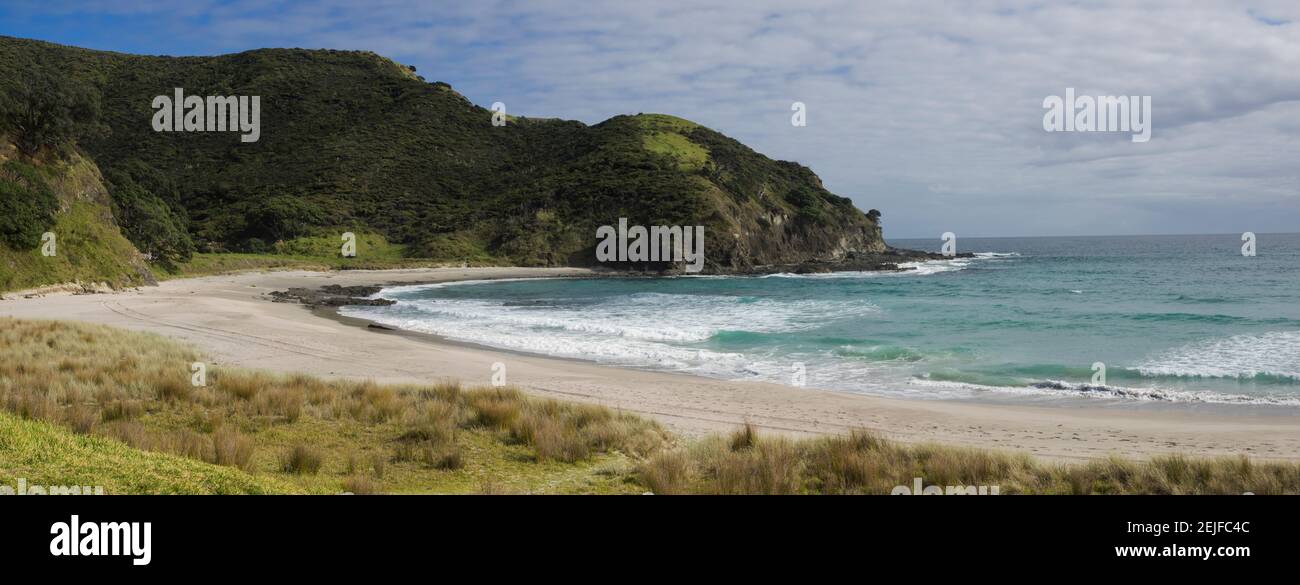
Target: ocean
1172,319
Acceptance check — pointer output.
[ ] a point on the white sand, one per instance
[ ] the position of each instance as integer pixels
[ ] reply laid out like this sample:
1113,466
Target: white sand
230,321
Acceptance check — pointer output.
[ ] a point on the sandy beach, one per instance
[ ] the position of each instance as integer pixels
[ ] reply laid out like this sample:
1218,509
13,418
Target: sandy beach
230,319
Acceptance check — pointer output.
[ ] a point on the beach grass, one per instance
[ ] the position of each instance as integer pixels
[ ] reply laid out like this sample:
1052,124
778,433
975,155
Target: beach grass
94,405
135,390
863,463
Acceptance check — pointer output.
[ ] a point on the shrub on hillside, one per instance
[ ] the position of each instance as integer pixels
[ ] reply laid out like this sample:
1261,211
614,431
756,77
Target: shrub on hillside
140,207
43,109
27,206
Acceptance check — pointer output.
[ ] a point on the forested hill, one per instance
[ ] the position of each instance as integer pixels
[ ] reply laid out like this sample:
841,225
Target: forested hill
351,141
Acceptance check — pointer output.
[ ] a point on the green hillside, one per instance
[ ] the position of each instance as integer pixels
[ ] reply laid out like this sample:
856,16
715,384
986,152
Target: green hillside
351,141
66,198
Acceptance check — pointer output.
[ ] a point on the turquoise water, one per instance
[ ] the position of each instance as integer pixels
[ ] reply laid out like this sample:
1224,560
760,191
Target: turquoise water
1174,319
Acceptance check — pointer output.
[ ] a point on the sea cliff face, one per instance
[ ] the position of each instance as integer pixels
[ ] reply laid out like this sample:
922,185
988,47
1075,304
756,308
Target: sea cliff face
750,241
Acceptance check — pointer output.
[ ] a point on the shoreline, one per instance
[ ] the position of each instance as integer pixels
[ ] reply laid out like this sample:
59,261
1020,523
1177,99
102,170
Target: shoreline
230,318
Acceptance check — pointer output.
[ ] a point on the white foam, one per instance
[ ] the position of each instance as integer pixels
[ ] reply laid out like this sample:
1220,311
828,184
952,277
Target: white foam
633,329
1072,390
1276,353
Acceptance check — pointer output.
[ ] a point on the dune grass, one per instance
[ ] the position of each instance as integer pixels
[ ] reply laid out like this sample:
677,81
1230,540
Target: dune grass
310,434
863,463
94,405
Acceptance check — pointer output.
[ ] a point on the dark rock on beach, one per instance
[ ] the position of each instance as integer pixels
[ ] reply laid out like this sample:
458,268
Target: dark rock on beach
332,295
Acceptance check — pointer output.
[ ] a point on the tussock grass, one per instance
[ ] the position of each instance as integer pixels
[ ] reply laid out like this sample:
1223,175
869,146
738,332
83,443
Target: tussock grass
863,463
136,388
301,459
231,448
560,431
360,485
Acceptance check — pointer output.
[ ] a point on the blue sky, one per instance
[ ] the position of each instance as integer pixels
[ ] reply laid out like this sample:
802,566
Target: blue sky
929,111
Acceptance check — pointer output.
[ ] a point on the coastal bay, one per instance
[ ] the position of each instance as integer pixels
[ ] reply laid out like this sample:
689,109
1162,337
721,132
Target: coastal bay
231,319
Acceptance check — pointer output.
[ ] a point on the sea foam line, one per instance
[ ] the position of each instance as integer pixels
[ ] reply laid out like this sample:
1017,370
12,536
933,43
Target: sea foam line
1097,391
1246,356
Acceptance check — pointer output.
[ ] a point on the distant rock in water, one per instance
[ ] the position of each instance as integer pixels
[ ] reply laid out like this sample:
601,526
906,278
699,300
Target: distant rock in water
887,260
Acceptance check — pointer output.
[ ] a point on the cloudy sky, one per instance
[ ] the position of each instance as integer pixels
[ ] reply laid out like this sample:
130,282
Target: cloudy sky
931,112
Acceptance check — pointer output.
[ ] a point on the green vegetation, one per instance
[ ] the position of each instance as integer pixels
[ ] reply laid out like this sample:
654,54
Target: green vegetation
209,264
669,136
27,205
89,247
297,433
370,247
49,455
93,405
146,203
354,142
44,110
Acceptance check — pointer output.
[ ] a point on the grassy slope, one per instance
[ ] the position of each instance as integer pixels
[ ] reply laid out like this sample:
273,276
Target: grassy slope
89,251
49,455
115,388
90,248
670,136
